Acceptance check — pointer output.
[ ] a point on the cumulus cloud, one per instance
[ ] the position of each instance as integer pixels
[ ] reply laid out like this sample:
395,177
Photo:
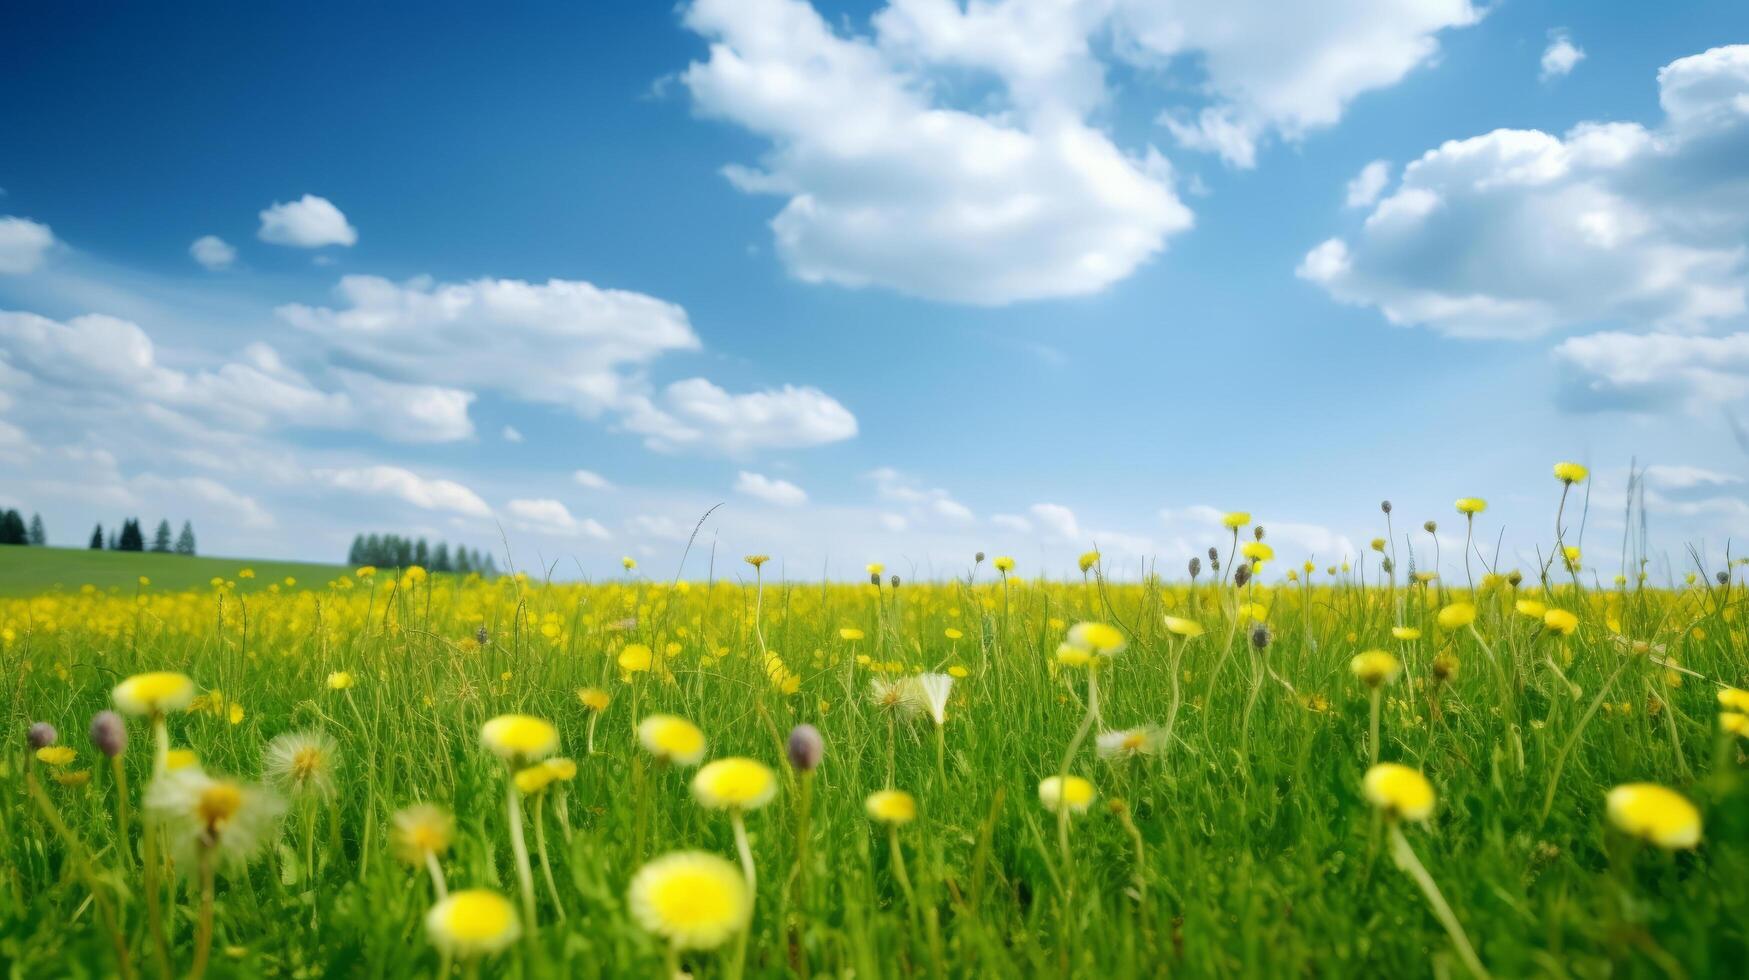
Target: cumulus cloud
1560,57
308,222
1685,477
1651,373
102,359
924,503
1056,521
1199,526
511,433
425,493
568,343
590,480
1365,188
773,491
23,244
548,516
885,184
212,494
212,252
1519,232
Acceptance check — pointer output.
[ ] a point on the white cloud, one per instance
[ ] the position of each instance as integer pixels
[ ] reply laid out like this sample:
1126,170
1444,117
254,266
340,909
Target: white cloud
212,252
23,244
422,492
924,503
1056,521
308,222
1365,188
893,522
1683,477
511,434
15,445
697,415
886,185
1560,57
103,359
590,480
1282,68
211,494
660,527
780,492
552,517
1012,522
1519,232
1652,373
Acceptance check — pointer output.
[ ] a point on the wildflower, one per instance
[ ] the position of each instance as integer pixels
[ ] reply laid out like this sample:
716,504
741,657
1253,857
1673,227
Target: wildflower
1445,667
1531,608
55,755
594,698
1130,743
1186,628
474,922
520,738
339,680
1374,667
1734,699
302,763
1571,473
202,813
1071,792
636,658
874,569
952,634
154,694
1378,544
805,748
693,899
532,779
850,633
73,779
1070,655
1405,633
1734,722
1561,621
1235,520
1004,564
672,739
932,692
180,759
1401,792
756,560
628,563
1457,615
1652,813
365,571
891,806
109,733
1257,551
421,831
735,783
1097,638
41,735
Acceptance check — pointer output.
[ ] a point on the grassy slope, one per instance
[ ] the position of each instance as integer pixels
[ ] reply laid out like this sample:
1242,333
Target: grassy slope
26,571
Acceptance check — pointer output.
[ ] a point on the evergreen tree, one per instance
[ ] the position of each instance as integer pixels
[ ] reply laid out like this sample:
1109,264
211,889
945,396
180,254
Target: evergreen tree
12,528
488,567
440,558
403,551
161,537
185,540
131,537
355,554
373,550
422,553
97,538
463,563
39,535
114,541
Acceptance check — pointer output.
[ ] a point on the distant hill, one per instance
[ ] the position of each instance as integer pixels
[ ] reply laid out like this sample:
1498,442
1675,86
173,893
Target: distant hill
29,571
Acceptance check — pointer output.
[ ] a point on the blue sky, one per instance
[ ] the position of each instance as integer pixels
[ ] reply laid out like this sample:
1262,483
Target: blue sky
895,281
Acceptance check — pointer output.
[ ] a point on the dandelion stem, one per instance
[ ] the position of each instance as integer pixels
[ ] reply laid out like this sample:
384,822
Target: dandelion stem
519,847
745,849
124,844
203,930
1373,740
1405,858
438,884
540,846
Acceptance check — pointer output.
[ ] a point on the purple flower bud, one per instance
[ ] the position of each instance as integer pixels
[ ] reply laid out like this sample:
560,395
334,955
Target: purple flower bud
806,747
42,735
109,733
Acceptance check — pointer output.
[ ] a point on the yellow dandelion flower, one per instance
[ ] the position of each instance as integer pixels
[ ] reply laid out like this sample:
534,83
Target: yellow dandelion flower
1471,506
1734,699
735,783
420,831
1097,638
1401,792
1405,632
1186,628
1734,722
473,922
55,755
1571,473
1374,667
520,738
1073,792
157,693
1456,616
693,899
180,759
1235,520
636,658
339,680
891,806
1070,655
1561,621
1004,564
1655,814
756,560
1531,608
594,698
672,739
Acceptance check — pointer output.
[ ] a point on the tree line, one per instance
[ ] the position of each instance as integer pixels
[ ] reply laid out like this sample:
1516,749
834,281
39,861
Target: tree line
131,538
395,551
13,530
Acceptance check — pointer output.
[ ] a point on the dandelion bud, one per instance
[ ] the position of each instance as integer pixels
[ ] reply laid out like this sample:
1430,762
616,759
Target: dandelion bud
979,557
1385,506
482,637
109,734
893,580
1389,567
1430,526
1214,554
1445,667
1723,577
1257,532
1515,577
1241,575
1195,566
874,579
41,735
1260,636
805,748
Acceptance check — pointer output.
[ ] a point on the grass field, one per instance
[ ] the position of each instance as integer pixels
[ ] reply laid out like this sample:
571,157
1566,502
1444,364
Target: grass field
30,571
1228,827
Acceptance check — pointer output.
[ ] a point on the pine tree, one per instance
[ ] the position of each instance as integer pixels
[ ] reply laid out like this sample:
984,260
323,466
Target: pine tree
185,540
161,537
355,554
463,563
440,558
97,538
39,535
131,537
489,568
421,553
12,528
114,541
